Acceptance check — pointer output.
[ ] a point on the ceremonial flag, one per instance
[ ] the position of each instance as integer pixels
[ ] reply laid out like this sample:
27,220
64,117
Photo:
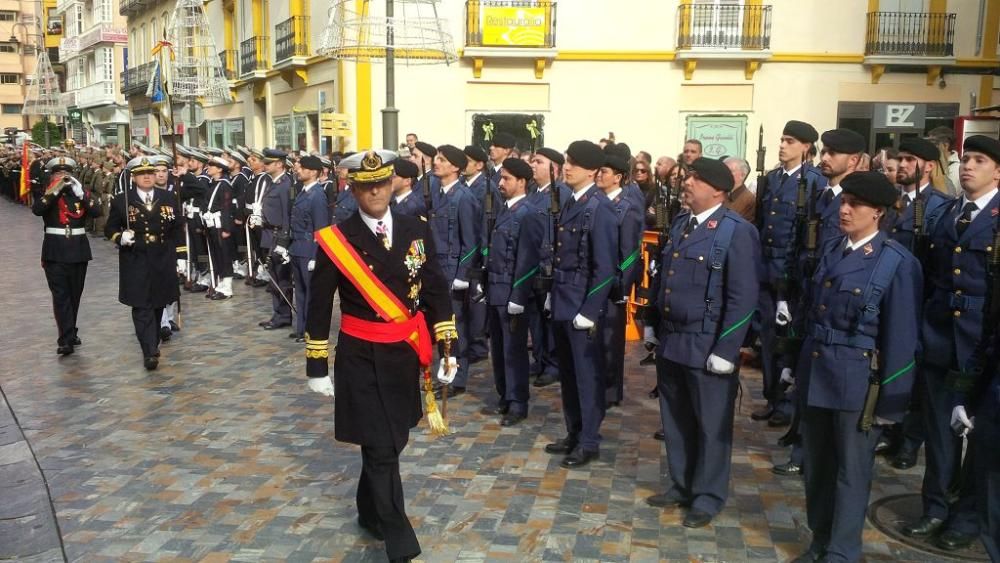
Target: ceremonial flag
155,89
163,44
25,188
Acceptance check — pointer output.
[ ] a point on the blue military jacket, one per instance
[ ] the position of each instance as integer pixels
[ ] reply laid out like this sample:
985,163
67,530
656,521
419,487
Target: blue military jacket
585,258
694,320
778,218
509,245
454,220
540,222
837,356
345,207
309,214
902,227
630,215
412,206
276,210
956,274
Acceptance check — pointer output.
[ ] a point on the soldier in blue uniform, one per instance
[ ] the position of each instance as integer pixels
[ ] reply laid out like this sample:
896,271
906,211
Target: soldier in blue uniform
423,156
275,207
475,172
309,214
455,222
977,410
856,366
64,207
583,275
546,165
406,201
918,159
706,293
777,224
961,236
611,179
478,185
509,290
501,147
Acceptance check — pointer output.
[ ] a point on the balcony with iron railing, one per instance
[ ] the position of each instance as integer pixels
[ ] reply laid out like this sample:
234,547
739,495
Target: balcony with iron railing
291,41
98,93
254,57
135,80
227,59
126,7
902,34
723,32
510,29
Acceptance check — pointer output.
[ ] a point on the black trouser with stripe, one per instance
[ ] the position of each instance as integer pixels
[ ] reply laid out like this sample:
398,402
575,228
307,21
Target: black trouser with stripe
66,284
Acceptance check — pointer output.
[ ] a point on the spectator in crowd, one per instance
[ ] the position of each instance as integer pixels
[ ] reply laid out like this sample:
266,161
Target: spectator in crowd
740,199
663,166
692,150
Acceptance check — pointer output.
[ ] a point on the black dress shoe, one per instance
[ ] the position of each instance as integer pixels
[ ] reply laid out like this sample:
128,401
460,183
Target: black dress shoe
779,419
219,296
811,556
198,288
77,341
659,435
697,519
562,447
922,528
498,410
273,326
654,393
174,327
452,391
151,362
762,414
787,469
263,323
904,460
237,276
165,333
512,418
649,360
300,339
545,380
295,335
371,529
951,540
579,458
65,350
666,500
258,283
612,404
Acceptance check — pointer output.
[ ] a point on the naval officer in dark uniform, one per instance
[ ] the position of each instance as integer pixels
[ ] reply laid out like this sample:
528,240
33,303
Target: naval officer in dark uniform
309,214
64,207
375,373
705,296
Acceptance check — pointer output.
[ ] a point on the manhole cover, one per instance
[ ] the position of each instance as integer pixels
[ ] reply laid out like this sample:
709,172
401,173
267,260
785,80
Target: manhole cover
890,513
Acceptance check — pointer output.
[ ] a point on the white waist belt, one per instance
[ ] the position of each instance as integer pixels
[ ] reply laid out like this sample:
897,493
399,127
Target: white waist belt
67,232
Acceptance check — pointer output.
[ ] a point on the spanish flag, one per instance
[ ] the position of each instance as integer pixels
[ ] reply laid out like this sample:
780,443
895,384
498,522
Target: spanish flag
160,45
25,188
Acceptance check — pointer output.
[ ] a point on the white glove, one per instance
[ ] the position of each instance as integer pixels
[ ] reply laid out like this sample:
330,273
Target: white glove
181,266
255,221
786,376
447,370
581,322
782,315
652,267
879,421
255,208
459,285
77,188
127,238
649,336
960,421
548,303
321,385
282,253
514,308
718,365
311,266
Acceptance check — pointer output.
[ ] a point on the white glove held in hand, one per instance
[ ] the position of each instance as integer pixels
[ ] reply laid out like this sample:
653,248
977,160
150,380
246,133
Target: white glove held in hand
447,370
581,322
459,285
718,365
127,238
181,266
77,188
311,266
321,385
786,376
255,221
960,421
282,253
548,303
782,315
649,336
514,308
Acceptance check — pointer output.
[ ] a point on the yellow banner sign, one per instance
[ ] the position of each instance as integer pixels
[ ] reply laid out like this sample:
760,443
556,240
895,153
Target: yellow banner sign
335,124
513,27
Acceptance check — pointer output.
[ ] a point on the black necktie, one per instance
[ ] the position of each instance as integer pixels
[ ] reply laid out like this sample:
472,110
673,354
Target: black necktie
966,218
847,250
690,226
827,196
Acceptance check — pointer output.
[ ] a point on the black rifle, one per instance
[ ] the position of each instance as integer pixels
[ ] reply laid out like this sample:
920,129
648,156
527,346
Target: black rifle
428,198
543,283
761,180
481,274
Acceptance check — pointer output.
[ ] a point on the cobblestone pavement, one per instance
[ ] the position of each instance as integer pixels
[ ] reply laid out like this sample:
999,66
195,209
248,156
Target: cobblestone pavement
224,455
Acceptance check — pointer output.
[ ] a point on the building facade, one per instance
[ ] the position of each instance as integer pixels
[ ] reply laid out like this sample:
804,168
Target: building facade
21,33
92,53
653,72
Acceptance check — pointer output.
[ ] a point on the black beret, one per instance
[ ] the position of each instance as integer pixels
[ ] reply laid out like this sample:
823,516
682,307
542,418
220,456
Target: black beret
844,141
311,163
986,145
714,173
405,168
475,152
871,187
616,163
920,148
454,155
801,130
518,168
503,140
551,154
426,148
586,154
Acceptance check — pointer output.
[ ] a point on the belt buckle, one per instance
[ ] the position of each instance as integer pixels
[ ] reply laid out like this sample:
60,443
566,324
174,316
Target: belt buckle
68,231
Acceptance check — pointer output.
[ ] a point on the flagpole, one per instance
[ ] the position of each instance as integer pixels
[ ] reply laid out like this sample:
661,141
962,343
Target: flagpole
166,95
